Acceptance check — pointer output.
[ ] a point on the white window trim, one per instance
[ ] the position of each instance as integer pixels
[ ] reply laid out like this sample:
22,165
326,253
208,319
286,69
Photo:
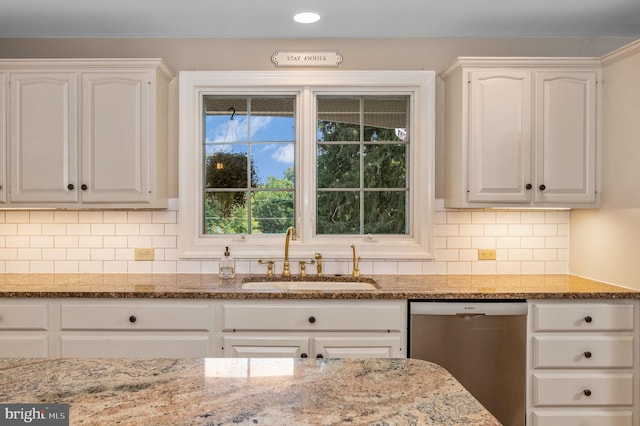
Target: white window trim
419,84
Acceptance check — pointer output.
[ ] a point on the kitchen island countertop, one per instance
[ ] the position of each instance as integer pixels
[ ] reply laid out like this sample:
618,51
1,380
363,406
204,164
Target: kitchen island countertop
204,286
243,391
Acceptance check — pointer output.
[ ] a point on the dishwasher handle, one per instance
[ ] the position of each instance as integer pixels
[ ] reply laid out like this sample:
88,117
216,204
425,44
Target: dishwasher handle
468,308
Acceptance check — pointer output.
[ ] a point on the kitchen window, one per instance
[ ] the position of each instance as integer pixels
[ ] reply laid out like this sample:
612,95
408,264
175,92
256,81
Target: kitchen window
344,156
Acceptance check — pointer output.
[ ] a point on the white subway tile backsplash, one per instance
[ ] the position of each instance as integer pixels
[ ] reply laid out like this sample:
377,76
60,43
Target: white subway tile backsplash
29,229
104,242
520,255
459,242
43,241
17,216
483,217
459,268
56,253
520,230
90,217
40,217
127,229
103,229
115,217
65,217
458,217
545,229
17,241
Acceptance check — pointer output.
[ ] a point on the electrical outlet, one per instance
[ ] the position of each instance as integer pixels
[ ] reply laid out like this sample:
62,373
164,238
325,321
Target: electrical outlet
486,254
144,254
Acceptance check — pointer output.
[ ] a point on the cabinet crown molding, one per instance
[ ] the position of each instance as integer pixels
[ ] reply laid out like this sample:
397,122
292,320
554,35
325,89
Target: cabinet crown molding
123,63
524,62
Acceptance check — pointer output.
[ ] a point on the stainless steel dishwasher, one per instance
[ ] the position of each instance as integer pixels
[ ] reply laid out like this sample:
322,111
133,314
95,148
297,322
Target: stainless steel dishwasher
482,344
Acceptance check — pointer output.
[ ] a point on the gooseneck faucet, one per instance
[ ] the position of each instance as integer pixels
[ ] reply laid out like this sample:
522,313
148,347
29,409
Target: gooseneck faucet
356,263
291,235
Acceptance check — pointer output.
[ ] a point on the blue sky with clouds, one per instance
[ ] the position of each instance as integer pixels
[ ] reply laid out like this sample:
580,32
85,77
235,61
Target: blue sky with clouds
272,140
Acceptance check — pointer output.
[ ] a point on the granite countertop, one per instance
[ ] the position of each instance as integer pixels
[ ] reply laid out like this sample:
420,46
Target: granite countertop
202,286
243,391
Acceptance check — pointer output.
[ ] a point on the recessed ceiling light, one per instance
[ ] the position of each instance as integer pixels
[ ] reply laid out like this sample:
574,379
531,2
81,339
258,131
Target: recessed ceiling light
306,17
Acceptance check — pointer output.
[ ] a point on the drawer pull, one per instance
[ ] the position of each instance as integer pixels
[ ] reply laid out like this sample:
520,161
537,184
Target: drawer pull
587,354
312,319
588,318
133,319
304,355
586,392
319,356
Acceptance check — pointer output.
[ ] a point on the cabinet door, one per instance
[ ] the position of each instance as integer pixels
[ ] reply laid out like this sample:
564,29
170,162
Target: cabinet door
499,136
257,346
115,137
565,137
3,138
358,347
43,137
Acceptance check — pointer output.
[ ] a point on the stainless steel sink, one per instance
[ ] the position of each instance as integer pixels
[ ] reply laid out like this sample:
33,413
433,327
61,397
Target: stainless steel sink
309,285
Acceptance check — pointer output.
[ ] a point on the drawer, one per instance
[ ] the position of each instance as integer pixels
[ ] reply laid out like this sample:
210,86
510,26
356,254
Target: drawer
134,346
583,352
24,346
134,317
583,418
23,316
582,389
582,317
315,317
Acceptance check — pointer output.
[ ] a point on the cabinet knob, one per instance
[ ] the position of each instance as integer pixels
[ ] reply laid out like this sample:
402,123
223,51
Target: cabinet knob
587,392
133,319
83,187
319,356
70,187
529,186
304,355
587,354
312,319
588,318
542,187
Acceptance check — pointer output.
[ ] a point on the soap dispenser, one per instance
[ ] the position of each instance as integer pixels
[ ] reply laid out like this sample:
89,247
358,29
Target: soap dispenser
227,266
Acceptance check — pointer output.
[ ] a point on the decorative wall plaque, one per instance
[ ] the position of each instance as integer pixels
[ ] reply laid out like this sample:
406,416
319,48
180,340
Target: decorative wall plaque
306,59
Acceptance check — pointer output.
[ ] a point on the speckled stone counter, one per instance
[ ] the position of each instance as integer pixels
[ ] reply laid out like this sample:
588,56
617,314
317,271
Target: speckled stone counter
216,391
197,286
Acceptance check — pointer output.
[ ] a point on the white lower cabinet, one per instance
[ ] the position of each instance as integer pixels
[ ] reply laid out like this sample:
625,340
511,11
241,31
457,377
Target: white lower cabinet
134,328
583,363
318,329
24,329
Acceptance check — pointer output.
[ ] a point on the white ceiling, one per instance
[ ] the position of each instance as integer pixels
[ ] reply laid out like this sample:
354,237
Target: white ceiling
340,18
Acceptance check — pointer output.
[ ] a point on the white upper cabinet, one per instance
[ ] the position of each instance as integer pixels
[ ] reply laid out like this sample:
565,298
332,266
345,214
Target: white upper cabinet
44,138
88,133
521,132
3,138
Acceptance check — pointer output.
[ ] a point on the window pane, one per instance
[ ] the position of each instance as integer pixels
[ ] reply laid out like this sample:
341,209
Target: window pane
226,166
220,126
385,119
225,213
272,119
272,211
274,164
249,145
376,127
338,166
385,166
385,212
338,119
338,213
